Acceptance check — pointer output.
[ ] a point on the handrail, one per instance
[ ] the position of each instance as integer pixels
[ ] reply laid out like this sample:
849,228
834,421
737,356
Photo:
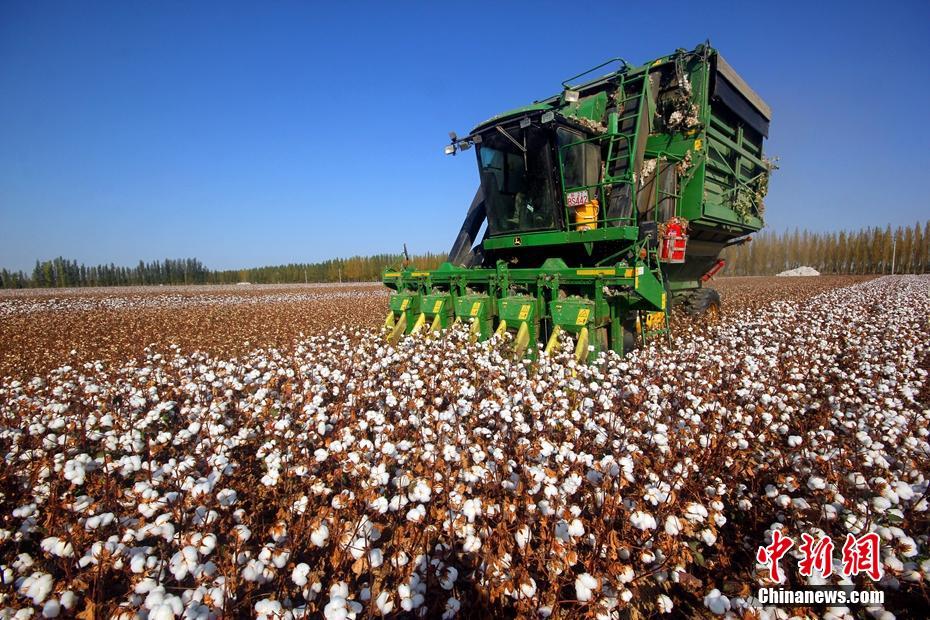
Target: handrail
603,64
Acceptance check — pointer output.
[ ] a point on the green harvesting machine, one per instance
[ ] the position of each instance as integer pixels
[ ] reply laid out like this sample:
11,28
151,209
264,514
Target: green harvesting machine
599,208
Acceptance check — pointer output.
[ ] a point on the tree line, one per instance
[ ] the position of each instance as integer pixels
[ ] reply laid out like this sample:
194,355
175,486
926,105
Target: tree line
61,272
867,251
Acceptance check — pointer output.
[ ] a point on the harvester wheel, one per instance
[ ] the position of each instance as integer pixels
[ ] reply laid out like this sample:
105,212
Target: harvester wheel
703,302
629,335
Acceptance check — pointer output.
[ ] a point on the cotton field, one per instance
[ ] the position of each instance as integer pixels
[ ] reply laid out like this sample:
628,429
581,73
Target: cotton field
340,477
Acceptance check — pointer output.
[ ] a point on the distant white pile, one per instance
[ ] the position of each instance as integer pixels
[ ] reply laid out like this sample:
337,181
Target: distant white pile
799,271
437,478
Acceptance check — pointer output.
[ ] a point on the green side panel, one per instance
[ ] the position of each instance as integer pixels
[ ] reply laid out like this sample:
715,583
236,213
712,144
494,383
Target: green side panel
573,313
592,108
406,301
476,308
440,305
612,233
517,309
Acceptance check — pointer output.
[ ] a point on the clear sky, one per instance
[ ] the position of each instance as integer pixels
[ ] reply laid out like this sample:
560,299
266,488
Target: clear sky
268,132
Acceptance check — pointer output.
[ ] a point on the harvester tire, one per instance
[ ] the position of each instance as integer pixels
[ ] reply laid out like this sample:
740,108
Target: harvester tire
704,303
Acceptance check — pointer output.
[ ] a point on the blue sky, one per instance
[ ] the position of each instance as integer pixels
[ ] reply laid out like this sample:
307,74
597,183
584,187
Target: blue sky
261,133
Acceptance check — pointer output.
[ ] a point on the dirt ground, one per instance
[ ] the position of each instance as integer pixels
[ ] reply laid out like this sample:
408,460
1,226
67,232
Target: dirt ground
44,329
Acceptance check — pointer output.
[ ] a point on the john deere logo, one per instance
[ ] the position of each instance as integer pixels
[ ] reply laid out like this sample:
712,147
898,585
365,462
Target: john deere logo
517,241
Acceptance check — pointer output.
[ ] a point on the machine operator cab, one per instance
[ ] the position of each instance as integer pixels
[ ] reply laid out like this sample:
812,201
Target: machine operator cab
539,172
525,167
522,177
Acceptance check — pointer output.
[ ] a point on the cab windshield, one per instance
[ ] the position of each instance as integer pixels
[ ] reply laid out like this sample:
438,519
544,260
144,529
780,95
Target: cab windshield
518,191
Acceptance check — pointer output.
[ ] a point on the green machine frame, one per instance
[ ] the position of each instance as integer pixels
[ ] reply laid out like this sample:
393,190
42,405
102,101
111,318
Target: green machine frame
679,138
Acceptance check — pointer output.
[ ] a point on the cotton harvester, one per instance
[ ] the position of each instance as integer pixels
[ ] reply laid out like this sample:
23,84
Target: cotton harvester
599,208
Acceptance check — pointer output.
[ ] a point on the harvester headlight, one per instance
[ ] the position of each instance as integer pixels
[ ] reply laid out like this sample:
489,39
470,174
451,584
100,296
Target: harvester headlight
449,150
524,123
548,117
571,96
464,146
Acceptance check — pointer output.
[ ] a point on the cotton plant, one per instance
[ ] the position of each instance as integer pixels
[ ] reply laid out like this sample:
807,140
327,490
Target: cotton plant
346,476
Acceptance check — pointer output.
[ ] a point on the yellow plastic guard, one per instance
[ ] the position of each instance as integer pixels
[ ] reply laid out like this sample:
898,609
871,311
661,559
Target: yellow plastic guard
398,329
437,324
581,349
501,328
389,321
419,323
474,331
553,339
655,321
523,339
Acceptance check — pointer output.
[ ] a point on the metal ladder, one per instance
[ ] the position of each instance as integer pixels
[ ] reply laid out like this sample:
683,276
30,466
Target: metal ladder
621,151
624,146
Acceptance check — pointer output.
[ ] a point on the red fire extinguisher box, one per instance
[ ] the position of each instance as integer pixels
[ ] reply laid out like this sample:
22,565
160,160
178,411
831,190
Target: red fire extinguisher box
673,245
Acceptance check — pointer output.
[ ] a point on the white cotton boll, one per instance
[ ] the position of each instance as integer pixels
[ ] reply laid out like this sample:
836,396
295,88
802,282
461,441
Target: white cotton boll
665,604
56,546
528,588
695,512
68,599
183,562
576,528
267,608
421,492
299,574
452,608
226,497
207,544
320,455
375,558
585,584
51,609
161,612
716,602
672,525
320,535
37,586
252,570
708,537
448,580
471,509
279,558
903,490
384,603
416,513
816,483
74,472
881,504
472,544
523,536
625,574
643,520
241,532
794,441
